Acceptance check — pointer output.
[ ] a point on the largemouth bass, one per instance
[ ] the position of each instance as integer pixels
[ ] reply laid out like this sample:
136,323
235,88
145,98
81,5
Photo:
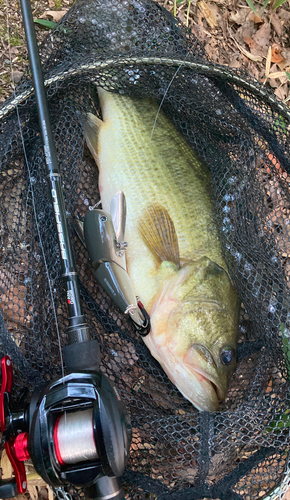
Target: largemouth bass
174,256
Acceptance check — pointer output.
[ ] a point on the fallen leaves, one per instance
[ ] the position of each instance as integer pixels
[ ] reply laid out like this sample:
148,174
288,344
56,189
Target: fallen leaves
262,36
277,79
6,466
276,56
259,42
238,37
34,482
239,17
207,13
276,23
56,15
248,54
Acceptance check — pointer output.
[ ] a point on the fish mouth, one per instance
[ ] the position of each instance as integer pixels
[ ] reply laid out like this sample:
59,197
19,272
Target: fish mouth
194,382
206,393
202,366
211,381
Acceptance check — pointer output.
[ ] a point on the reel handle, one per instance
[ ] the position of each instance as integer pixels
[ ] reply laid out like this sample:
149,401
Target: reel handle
12,445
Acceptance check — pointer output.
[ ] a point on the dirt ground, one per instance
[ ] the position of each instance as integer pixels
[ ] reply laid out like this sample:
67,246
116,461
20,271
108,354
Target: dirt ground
233,35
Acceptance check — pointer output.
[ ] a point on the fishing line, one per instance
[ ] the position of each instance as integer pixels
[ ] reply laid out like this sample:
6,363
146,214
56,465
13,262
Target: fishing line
73,437
32,195
163,98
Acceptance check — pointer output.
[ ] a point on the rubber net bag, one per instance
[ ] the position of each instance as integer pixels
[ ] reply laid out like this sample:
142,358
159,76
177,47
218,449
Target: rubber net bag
241,131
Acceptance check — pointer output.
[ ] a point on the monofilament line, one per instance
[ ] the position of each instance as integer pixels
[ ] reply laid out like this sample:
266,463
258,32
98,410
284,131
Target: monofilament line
32,196
163,98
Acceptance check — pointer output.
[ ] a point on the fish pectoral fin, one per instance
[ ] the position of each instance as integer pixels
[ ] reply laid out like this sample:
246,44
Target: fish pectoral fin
92,128
158,232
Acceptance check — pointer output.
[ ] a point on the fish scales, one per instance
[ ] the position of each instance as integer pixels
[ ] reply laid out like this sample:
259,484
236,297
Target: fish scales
161,170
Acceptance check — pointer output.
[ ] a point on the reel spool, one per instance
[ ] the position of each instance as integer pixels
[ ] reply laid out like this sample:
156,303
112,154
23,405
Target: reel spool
75,430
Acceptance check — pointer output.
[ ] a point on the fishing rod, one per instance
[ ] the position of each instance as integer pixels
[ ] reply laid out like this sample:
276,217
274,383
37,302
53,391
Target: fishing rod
75,429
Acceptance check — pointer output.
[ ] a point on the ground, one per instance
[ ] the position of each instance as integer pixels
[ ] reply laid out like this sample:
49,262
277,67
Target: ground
233,33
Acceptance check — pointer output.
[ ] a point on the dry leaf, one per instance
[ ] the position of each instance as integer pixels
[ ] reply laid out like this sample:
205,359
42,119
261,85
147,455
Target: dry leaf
50,494
212,50
215,12
250,42
279,74
253,70
198,29
275,21
276,54
272,80
207,13
6,466
284,16
255,18
286,53
235,61
56,15
268,62
256,49
281,92
248,54
274,84
284,64
239,17
16,76
181,16
286,496
262,36
247,30
33,492
51,3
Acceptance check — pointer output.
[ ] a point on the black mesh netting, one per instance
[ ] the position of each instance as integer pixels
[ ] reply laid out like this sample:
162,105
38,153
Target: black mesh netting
242,132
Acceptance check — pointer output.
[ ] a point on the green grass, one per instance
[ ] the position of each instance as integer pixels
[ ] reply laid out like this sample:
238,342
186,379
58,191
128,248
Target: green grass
44,22
177,2
15,39
58,4
276,4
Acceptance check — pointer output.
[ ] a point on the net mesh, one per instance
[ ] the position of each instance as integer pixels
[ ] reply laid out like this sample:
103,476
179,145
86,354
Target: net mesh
136,47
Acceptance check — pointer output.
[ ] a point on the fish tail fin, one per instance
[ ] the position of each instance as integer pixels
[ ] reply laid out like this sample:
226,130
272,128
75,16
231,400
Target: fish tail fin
92,128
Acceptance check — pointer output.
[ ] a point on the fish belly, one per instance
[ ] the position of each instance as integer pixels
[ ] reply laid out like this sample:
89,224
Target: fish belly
154,168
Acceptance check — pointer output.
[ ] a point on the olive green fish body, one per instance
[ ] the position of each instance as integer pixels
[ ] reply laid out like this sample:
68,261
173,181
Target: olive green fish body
174,257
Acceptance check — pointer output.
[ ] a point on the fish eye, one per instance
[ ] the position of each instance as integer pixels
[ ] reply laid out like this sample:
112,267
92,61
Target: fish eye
228,354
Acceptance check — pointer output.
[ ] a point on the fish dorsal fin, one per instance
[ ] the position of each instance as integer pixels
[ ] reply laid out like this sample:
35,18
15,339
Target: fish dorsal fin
157,230
92,127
